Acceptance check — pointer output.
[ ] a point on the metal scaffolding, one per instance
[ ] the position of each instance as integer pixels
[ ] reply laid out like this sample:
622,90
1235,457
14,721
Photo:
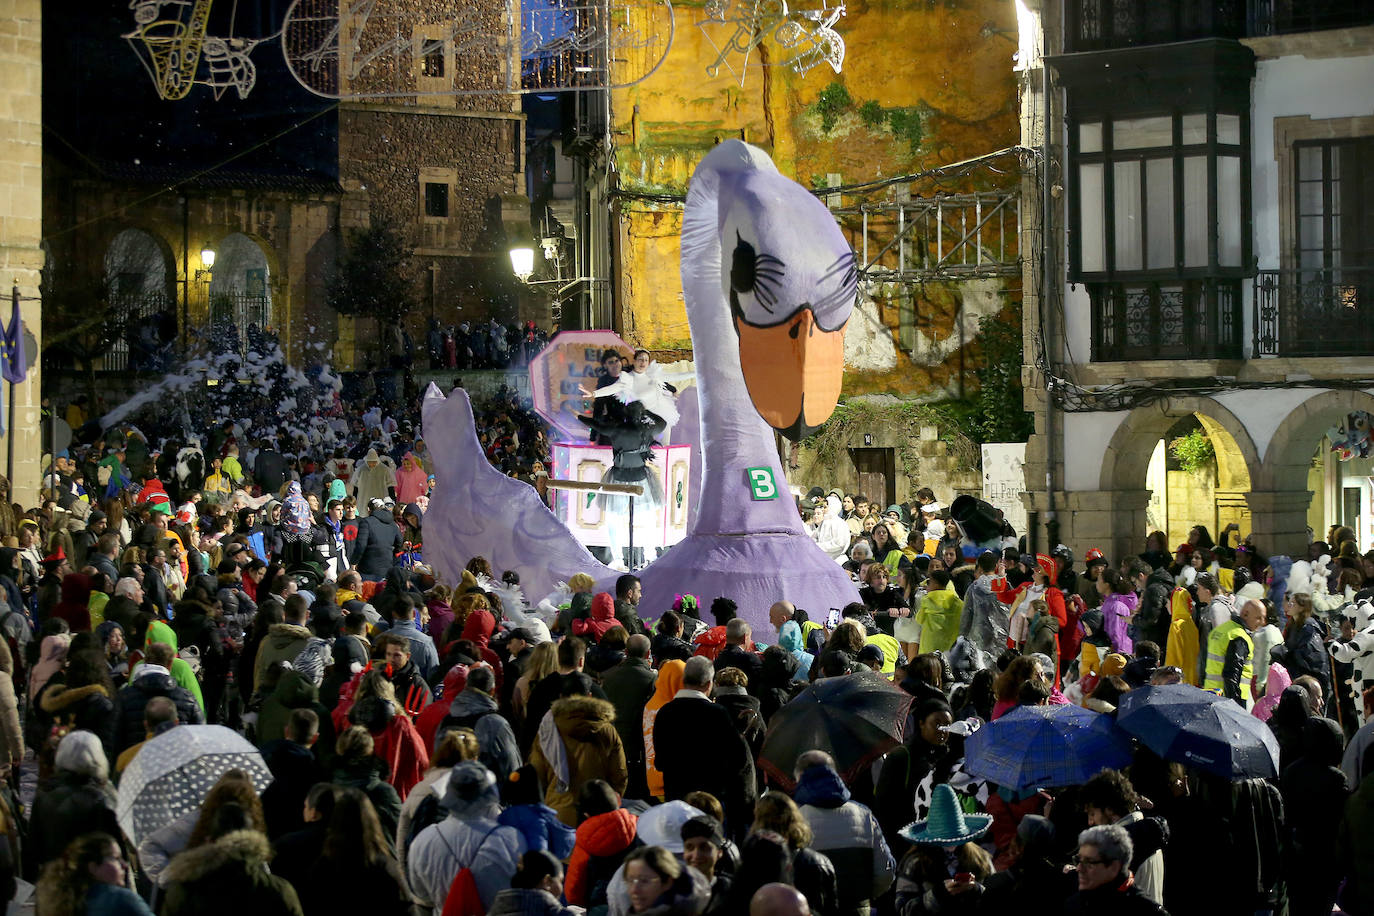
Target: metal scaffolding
948,237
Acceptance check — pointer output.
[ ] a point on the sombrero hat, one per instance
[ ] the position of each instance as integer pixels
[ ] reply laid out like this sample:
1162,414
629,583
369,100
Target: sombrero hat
947,825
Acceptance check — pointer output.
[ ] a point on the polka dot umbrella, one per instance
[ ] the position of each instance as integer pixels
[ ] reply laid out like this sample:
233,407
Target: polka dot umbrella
175,770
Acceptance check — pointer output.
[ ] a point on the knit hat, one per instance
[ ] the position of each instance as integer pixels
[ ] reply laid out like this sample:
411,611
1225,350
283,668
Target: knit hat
522,787
947,825
662,824
704,826
80,753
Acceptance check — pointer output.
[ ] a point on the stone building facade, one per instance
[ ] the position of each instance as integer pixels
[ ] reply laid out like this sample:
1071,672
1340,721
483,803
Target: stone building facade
274,182
1207,260
21,255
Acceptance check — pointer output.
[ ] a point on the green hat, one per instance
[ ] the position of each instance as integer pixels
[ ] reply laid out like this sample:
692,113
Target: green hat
947,825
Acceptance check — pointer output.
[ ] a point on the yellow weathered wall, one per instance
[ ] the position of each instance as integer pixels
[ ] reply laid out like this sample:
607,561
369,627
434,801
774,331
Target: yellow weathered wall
944,65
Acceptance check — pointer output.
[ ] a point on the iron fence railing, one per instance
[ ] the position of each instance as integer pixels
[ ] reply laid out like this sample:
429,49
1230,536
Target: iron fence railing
1327,312
1190,319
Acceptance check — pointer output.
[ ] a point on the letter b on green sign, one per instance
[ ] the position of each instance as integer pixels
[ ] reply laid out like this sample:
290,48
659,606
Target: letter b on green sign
761,483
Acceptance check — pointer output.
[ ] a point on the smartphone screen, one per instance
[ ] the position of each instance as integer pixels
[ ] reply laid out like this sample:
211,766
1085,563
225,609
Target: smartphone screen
832,620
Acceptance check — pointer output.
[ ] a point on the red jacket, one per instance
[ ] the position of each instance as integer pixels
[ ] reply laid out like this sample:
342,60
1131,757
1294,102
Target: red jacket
603,835
405,754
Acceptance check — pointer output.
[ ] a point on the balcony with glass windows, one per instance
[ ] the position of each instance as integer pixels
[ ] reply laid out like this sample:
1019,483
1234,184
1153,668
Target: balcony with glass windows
1100,25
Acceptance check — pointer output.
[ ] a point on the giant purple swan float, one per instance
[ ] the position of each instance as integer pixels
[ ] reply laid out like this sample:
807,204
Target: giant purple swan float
769,283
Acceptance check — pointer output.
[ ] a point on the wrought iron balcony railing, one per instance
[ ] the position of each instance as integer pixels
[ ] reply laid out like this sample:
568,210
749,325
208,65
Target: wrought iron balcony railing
1190,319
1327,312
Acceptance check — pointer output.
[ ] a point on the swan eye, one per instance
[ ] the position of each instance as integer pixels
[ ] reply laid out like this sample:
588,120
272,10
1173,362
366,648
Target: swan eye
742,266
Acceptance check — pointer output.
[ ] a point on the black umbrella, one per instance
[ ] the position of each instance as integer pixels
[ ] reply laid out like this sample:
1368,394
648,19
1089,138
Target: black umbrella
855,719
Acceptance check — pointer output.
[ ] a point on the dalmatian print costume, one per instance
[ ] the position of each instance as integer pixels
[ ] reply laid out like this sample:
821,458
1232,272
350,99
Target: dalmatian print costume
1358,652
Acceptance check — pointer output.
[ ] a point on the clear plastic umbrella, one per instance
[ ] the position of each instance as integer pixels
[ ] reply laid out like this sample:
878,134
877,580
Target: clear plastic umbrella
175,770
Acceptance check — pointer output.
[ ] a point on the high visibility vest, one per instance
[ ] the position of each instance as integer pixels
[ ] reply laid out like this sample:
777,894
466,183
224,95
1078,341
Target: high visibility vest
890,649
1217,642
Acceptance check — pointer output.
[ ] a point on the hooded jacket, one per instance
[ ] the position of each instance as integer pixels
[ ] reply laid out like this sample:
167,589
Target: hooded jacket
602,618
848,834
577,742
468,837
1182,649
411,479
985,620
940,617
230,877
284,641
790,638
500,752
293,691
372,477
1153,617
379,540
478,628
667,685
1116,618
1279,681
780,678
602,843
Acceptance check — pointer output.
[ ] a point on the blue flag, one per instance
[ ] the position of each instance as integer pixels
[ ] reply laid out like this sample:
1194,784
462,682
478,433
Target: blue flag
12,362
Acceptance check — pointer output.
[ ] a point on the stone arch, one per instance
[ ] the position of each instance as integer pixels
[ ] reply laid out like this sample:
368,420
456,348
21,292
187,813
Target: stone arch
1128,454
244,283
1290,449
138,263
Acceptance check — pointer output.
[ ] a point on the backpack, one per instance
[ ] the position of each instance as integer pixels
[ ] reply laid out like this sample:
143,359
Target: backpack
429,812
462,898
450,722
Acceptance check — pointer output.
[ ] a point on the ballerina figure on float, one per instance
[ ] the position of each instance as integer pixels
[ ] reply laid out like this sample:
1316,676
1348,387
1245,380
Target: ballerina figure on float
647,385
643,412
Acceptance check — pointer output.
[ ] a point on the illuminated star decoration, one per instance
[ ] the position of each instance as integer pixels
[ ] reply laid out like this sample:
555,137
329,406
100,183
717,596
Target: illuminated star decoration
735,28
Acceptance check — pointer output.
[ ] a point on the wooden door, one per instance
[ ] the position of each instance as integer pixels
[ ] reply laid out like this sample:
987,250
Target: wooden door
876,469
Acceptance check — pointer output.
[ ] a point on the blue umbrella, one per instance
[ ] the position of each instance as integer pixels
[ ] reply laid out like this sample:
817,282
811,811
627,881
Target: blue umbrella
1035,746
1196,727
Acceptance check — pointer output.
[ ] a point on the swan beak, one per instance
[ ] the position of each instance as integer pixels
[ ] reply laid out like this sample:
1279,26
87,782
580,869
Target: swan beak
793,372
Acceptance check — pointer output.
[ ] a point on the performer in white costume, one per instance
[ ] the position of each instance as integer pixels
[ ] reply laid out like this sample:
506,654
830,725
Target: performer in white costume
648,385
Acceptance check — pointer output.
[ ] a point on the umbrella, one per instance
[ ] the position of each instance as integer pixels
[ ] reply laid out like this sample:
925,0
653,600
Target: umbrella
175,770
1034,746
1196,727
855,719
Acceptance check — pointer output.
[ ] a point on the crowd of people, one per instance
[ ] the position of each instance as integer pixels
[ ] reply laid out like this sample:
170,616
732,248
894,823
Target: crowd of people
459,747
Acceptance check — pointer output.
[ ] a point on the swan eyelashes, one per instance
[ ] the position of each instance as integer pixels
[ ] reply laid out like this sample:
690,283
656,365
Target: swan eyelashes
838,285
760,274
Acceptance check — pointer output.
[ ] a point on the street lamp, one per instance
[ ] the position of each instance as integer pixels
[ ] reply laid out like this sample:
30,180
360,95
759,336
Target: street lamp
522,263
207,259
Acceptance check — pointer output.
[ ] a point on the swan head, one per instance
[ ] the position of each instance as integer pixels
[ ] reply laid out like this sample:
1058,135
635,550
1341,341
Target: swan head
790,279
